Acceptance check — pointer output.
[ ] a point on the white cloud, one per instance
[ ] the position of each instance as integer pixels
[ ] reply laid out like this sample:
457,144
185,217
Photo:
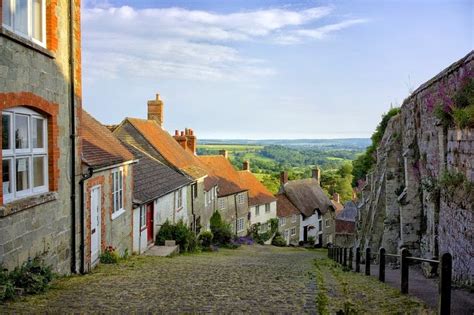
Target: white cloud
191,44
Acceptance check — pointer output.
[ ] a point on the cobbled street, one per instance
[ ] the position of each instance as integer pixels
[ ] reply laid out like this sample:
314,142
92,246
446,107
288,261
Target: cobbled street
250,279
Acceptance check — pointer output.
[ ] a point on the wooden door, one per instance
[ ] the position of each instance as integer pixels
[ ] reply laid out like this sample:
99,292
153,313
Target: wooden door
149,222
305,234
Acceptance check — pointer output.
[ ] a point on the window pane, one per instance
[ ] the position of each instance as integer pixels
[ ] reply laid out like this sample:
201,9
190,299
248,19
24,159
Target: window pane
22,171
38,171
6,177
21,16
37,133
37,20
6,131
6,13
21,132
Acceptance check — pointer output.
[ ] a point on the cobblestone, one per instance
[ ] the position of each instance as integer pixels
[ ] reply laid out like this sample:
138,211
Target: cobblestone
252,279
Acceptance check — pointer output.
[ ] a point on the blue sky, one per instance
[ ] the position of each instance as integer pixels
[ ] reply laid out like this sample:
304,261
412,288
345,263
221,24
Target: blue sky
266,69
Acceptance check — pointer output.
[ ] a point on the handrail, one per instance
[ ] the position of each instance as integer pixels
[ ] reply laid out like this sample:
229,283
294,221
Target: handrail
424,260
392,255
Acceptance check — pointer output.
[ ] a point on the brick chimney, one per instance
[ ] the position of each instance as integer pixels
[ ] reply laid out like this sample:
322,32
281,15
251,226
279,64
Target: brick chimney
336,197
317,174
246,166
191,140
283,178
180,137
155,110
224,153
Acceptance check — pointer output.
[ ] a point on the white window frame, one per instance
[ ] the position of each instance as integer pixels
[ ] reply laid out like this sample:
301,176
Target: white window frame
142,218
117,192
267,208
327,223
294,218
221,204
293,231
179,199
30,23
12,154
240,199
257,210
282,221
240,225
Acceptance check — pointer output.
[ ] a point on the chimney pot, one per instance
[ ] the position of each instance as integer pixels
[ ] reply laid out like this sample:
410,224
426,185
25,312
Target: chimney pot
283,178
336,197
317,174
246,166
155,110
182,133
176,132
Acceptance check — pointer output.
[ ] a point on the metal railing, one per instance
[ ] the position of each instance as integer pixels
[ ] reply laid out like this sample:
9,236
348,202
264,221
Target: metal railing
340,255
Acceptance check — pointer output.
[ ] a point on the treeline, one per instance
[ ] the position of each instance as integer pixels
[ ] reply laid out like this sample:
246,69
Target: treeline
364,162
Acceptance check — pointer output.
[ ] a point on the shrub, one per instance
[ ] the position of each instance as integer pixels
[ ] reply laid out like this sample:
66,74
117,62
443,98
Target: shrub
311,240
221,230
33,276
184,237
109,256
464,117
205,238
7,289
278,240
166,232
244,240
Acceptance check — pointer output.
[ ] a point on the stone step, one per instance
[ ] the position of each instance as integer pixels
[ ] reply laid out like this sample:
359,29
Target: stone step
162,251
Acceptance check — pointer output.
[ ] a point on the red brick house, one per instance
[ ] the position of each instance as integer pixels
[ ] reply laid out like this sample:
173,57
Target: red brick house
107,191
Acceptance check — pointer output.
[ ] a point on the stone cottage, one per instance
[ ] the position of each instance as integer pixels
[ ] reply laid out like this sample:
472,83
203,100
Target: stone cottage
308,197
159,144
262,203
232,196
40,99
345,225
158,189
289,220
107,191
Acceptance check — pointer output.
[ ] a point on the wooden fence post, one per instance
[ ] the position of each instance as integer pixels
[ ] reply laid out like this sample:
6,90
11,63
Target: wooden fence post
382,264
339,256
404,271
351,257
344,262
358,259
367,261
446,263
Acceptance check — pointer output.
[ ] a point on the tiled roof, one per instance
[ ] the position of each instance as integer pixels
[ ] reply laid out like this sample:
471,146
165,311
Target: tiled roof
167,146
345,227
307,196
258,193
100,148
153,179
228,178
284,206
348,213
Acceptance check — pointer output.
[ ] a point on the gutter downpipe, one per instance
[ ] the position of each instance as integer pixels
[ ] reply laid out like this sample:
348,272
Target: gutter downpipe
72,105
84,177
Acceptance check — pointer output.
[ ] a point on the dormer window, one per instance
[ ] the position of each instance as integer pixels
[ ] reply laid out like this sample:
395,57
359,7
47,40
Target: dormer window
24,153
26,18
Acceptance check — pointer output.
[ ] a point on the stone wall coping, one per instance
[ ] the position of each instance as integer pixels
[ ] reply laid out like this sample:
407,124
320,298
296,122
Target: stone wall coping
27,203
25,42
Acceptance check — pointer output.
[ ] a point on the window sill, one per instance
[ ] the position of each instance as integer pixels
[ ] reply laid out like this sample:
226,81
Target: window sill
117,214
27,203
26,42
179,209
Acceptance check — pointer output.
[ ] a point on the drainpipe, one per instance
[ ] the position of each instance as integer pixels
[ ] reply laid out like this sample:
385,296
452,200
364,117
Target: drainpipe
236,214
72,136
84,177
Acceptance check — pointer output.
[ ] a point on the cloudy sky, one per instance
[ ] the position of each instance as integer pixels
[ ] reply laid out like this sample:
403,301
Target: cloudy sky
266,69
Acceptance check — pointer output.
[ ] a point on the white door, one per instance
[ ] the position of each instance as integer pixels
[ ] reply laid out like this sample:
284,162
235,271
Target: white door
95,223
287,237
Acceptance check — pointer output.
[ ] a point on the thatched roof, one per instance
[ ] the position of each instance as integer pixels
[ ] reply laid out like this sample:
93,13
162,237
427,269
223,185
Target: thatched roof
307,196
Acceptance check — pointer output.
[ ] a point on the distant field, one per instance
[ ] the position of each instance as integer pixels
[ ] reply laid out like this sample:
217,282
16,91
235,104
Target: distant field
230,147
